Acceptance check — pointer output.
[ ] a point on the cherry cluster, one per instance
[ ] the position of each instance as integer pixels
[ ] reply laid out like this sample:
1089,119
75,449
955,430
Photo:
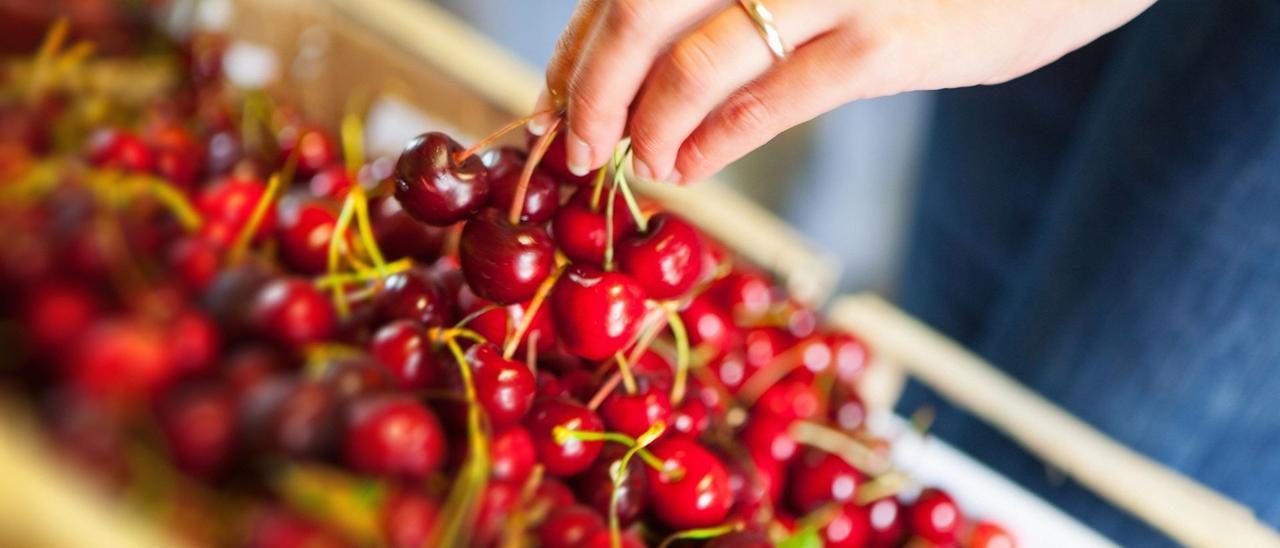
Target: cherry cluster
235,320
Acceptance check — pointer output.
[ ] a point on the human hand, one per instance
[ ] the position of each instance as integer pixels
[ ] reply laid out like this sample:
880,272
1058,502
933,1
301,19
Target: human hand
694,85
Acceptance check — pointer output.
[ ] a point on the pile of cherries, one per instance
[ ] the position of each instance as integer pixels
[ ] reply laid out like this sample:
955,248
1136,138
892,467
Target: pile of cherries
237,323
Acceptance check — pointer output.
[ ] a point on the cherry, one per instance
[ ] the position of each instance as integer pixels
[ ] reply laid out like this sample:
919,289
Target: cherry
542,196
498,324
304,235
595,485
990,535
596,313
850,528
178,158
199,428
400,235
888,521
692,490
433,186
196,260
751,485
665,261
849,355
513,455
314,148
292,312
121,359
303,424
405,349
408,518
569,527
354,377
193,342
231,201
794,397
279,529
56,312
936,517
847,410
393,436
692,418
504,263
604,539
413,295
580,230
746,294
709,325
762,345
496,503
740,539
118,149
332,182
505,388
766,436
570,455
818,478
555,161
554,492
633,414
655,369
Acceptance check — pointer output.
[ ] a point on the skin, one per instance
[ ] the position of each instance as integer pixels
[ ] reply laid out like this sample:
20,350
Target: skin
695,87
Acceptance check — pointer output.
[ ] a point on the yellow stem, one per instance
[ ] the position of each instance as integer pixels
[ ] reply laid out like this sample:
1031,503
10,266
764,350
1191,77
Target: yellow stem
526,321
250,227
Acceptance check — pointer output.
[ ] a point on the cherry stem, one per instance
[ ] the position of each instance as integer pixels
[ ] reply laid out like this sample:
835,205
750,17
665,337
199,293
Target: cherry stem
352,132
526,173
833,441
526,321
250,227
608,227
560,434
169,196
624,368
342,278
681,336
365,228
464,499
604,391
620,176
618,473
459,157
335,245
884,485
701,534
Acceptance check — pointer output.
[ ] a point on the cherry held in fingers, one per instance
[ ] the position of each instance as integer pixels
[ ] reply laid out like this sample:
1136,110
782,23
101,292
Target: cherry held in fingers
433,187
596,313
502,262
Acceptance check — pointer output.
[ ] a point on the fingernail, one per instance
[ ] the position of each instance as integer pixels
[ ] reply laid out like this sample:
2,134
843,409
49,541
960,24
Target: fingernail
577,154
641,169
538,125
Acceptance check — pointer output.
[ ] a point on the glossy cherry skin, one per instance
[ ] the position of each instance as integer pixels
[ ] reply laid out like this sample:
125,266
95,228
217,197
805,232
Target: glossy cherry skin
195,261
888,521
231,202
496,503
332,182
312,146
121,360
280,529
199,429
709,325
356,377
794,397
580,230
504,263
513,455
850,528
305,423
633,414
413,295
694,490
767,436
292,312
692,417
193,342
119,149
986,534
400,235
573,455
818,478
408,518
542,195
596,313
744,293
500,323
404,348
304,235
393,436
849,355
555,161
935,516
604,539
846,410
505,388
435,189
569,527
595,485
667,260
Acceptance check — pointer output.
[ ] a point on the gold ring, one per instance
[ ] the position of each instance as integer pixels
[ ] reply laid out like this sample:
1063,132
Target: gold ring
763,19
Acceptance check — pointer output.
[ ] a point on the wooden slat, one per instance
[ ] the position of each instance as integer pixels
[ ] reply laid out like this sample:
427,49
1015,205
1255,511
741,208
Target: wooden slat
1175,504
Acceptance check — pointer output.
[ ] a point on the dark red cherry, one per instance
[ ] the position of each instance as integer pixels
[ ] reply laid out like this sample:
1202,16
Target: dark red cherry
118,149
505,388
935,516
408,518
818,478
542,195
193,342
633,414
595,485
709,325
312,146
404,348
693,489
305,423
231,202
569,527
413,295
500,323
571,455
57,312
178,159
513,455
850,528
555,162
199,428
195,261
304,235
433,187
655,369
986,534
554,492
580,230
351,377
280,529
393,436
596,313
292,312
604,539
332,182
504,263
888,521
666,260
400,235
122,359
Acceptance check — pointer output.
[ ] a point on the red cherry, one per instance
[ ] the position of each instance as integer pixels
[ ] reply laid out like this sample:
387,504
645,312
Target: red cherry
580,230
497,502
767,436
513,455
504,387
279,529
304,235
56,313
665,261
596,313
178,158
122,360
400,235
692,418
794,397
751,487
292,312
405,349
304,423
118,149
554,492
990,535
656,370
500,323
595,485
332,182
693,489
850,528
393,436
542,195
709,326
195,261
433,187
413,295
888,521
818,478
604,539
199,428
570,455
193,343
849,355
569,527
313,147
633,414
502,262
555,161
746,294
231,202
408,518
740,539
936,517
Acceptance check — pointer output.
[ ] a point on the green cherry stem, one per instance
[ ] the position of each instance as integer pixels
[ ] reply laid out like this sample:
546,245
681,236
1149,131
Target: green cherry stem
526,321
561,434
701,534
247,232
618,473
464,499
335,245
681,336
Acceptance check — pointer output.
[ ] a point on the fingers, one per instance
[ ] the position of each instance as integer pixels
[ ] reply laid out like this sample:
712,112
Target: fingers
627,37
701,71
562,62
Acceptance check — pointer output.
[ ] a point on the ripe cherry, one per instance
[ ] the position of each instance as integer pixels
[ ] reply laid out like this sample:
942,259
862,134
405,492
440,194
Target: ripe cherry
393,436
580,230
280,529
408,518
351,377
400,235
332,182
496,503
195,261
709,325
766,436
745,294
935,516
692,418
178,158
199,428
888,521
304,423
569,455
404,348
596,313
513,455
818,478
304,235
569,527
505,388
193,343
292,312
413,295
231,201
435,188
542,195
850,528
794,397
122,359
633,414
847,410
313,147
604,539
849,355
666,260
55,313
692,490
595,485
740,539
555,161
990,535
504,263
554,492
500,323
119,149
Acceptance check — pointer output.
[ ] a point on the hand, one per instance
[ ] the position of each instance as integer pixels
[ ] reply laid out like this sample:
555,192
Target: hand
694,85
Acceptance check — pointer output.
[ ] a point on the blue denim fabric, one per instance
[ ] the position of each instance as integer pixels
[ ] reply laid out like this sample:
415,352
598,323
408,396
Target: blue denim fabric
1107,230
